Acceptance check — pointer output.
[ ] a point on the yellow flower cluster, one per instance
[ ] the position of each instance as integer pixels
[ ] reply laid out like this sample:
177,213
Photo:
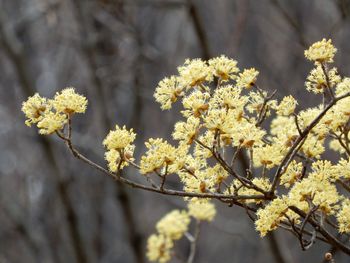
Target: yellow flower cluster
67,101
34,109
195,104
320,192
119,146
292,174
269,155
271,215
343,217
247,78
51,122
316,81
119,158
159,248
51,115
203,178
342,169
173,226
343,87
194,73
201,210
321,51
119,138
286,106
223,68
168,91
160,154
186,131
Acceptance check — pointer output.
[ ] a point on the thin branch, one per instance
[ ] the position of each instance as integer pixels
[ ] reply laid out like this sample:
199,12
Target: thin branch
194,242
322,230
165,191
297,123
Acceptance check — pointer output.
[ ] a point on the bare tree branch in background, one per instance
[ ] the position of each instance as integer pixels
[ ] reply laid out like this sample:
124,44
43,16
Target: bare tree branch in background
240,21
292,22
14,51
88,50
21,228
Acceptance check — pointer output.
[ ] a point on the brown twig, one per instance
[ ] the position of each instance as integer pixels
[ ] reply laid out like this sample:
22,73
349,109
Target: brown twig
194,241
165,191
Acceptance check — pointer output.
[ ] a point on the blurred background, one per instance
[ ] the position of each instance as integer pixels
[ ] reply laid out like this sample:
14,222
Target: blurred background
53,208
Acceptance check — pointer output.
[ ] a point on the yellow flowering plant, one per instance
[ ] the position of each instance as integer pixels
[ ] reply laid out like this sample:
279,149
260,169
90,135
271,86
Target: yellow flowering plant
287,182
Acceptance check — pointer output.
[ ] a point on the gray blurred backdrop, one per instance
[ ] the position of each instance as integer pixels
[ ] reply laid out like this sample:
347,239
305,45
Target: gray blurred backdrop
54,208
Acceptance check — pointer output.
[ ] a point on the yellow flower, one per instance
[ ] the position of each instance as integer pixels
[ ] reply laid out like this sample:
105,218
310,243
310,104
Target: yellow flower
119,138
201,210
159,248
195,104
292,174
228,97
269,155
321,51
313,147
343,169
320,191
223,67
167,92
247,135
247,79
256,102
270,216
336,146
287,106
51,122
343,217
68,101
194,73
323,169
285,130
186,131
160,153
34,109
113,157
216,120
343,87
316,82
174,224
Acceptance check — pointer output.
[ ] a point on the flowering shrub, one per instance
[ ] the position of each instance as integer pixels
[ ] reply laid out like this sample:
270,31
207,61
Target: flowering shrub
226,116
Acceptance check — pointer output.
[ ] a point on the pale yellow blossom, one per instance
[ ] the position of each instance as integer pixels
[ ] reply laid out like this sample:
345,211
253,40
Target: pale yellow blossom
68,101
286,106
223,67
194,72
321,51
247,78
168,91
159,248
119,138
316,81
51,122
34,109
201,210
174,224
